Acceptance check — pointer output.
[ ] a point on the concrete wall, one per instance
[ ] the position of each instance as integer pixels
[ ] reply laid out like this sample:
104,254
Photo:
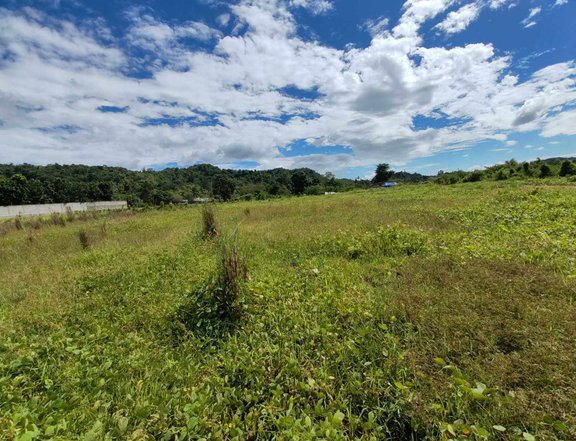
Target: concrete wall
44,209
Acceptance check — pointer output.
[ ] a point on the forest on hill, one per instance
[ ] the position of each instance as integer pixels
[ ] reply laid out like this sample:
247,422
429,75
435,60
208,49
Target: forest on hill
32,184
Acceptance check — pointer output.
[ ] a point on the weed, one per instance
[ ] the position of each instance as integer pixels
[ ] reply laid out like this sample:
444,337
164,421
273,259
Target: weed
6,227
36,223
70,215
30,238
210,228
57,219
18,223
216,307
231,281
85,239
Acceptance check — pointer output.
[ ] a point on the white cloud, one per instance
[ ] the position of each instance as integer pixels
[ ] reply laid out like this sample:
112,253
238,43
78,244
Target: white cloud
560,124
59,74
560,2
377,27
529,21
314,6
497,4
459,20
223,19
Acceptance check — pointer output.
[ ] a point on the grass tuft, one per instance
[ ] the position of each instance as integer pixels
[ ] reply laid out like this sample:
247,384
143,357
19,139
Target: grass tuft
85,239
210,228
70,215
57,219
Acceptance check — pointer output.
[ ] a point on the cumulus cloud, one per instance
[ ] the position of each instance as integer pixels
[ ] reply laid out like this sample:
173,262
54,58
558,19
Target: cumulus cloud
459,20
251,92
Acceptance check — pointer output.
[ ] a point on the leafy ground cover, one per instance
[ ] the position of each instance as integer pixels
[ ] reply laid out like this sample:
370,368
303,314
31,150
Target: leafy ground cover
419,312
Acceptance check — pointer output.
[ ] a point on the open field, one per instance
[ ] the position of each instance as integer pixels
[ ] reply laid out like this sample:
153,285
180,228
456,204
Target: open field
419,312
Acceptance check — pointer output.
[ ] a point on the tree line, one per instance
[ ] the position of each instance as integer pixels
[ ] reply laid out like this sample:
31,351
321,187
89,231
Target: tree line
540,168
30,184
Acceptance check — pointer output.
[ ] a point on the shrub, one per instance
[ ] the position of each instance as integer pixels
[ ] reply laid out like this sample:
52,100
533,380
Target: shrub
567,168
210,227
545,171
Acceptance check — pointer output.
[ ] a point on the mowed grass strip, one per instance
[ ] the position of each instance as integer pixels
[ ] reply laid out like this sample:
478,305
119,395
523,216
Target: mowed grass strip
419,312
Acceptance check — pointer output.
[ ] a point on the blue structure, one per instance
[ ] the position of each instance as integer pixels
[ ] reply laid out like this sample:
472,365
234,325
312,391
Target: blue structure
389,184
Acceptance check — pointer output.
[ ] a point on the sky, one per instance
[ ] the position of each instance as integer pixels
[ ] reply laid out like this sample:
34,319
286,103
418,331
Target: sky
334,85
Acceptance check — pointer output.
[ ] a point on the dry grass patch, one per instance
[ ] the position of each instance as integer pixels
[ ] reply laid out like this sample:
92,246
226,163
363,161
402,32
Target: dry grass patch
509,325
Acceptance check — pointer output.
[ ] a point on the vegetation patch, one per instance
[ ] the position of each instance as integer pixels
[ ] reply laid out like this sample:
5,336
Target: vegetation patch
387,241
216,307
454,320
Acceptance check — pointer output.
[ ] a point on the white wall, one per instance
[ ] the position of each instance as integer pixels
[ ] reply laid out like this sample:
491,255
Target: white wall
44,209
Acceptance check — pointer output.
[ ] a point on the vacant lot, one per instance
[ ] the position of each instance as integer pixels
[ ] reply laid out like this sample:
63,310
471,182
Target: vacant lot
418,312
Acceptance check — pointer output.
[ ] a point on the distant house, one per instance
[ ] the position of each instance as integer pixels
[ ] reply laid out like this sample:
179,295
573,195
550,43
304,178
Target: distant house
204,200
389,184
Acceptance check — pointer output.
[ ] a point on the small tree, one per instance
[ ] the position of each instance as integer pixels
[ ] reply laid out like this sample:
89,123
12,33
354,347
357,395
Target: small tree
567,168
545,170
383,174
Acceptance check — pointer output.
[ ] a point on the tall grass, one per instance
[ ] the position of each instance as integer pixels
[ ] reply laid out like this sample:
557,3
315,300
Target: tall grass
210,227
85,239
232,277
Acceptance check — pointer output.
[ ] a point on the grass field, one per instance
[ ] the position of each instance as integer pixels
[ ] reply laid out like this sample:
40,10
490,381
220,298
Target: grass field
418,312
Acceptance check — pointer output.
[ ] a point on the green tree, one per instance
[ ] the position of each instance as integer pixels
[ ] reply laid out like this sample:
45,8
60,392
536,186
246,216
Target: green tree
299,182
545,170
223,187
567,168
383,174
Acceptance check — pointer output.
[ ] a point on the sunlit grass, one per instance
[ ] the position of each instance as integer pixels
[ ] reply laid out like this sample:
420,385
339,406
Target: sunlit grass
407,313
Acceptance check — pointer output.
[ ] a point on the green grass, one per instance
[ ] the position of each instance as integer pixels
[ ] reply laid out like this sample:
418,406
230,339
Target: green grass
419,312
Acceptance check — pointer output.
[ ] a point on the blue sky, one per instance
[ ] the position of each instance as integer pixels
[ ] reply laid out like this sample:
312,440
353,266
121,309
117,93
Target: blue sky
335,85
